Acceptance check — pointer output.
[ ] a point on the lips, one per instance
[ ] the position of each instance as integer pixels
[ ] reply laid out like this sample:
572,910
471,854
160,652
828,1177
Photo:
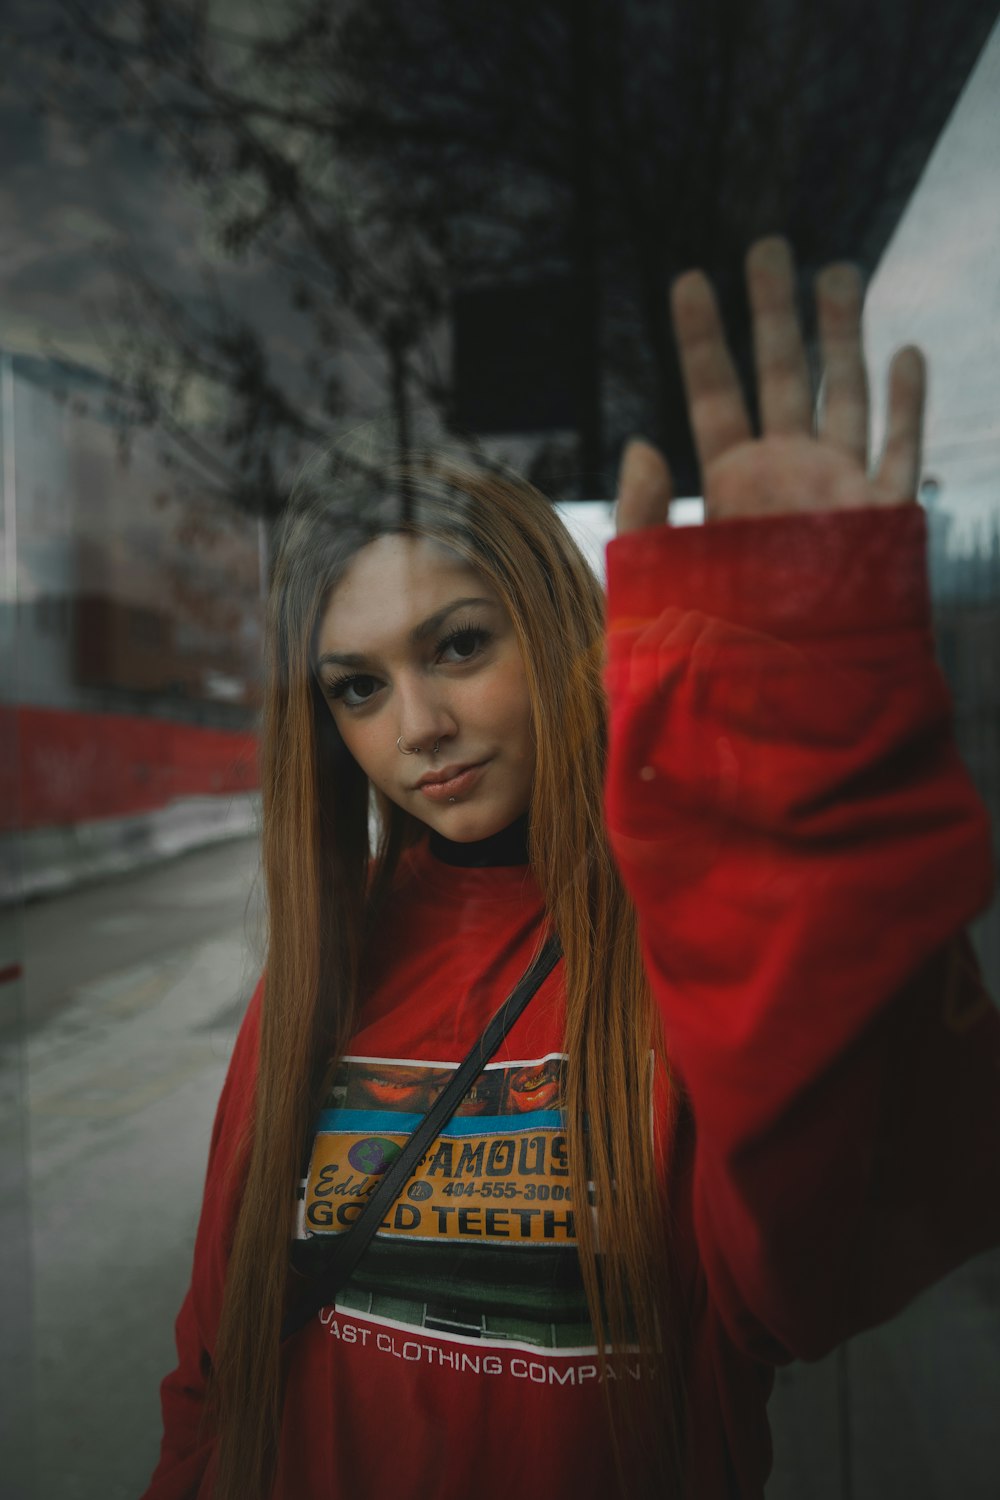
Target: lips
436,778
396,1088
536,1087
452,783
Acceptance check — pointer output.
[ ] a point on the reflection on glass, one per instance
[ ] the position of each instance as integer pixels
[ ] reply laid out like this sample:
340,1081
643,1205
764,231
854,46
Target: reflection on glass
441,224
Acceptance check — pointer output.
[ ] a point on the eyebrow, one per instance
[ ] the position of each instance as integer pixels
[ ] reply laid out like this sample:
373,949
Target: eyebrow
418,634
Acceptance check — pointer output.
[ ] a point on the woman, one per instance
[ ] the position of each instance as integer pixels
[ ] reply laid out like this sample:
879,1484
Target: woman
761,947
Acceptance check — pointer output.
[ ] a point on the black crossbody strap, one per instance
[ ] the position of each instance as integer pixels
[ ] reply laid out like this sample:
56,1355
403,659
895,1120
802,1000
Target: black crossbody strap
348,1247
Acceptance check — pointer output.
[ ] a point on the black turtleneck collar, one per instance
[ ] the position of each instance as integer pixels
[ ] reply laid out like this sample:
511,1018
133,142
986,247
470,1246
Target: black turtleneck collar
508,847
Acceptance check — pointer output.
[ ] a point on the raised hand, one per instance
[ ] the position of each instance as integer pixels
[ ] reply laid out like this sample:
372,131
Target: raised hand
798,462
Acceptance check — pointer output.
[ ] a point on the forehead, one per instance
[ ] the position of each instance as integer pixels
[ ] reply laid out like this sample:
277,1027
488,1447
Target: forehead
392,585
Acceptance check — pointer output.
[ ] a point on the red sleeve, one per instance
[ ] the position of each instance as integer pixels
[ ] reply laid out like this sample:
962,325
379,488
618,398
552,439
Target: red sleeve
186,1448
804,849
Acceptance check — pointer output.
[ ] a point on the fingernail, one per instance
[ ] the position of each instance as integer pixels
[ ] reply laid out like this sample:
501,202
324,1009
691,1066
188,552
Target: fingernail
841,282
909,363
639,450
770,254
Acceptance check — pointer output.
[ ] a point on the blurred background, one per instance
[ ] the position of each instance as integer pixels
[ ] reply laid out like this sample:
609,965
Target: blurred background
234,230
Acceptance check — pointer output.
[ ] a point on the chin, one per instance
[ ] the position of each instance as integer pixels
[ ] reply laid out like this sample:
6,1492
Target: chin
466,825
467,830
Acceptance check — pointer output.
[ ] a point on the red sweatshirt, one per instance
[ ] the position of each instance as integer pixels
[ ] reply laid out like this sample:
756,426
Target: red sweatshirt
804,849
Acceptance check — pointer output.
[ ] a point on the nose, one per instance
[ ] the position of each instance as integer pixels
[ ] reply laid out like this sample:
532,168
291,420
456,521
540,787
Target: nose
424,717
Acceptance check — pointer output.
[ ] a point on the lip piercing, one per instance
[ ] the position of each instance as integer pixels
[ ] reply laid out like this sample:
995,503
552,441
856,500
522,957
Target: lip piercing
415,750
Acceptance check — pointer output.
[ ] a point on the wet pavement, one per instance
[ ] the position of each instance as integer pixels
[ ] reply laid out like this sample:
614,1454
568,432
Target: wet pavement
133,993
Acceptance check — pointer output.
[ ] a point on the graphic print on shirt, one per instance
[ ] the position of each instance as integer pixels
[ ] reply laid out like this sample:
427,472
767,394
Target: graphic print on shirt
482,1240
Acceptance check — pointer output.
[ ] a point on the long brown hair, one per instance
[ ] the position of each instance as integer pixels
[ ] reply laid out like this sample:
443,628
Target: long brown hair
324,882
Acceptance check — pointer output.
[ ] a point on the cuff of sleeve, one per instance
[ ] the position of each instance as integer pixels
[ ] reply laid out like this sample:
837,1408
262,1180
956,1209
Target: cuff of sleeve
818,573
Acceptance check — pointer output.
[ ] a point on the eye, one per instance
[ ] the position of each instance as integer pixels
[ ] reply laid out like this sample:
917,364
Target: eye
353,690
464,643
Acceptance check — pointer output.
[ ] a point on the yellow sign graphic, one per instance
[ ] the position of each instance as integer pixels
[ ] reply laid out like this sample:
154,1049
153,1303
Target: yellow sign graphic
505,1186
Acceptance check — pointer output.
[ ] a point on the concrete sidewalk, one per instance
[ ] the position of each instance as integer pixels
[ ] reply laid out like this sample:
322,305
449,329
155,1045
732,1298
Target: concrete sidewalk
45,861
134,993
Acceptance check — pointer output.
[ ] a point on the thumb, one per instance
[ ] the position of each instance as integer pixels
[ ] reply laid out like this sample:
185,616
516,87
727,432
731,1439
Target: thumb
645,488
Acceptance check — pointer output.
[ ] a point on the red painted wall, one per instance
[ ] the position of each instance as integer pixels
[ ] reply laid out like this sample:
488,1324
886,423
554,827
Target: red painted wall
74,767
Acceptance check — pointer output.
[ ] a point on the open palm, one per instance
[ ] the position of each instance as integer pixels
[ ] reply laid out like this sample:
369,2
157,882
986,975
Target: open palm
797,462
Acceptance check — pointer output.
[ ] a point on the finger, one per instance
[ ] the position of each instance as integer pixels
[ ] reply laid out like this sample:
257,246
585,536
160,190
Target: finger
899,469
645,488
716,406
844,418
783,384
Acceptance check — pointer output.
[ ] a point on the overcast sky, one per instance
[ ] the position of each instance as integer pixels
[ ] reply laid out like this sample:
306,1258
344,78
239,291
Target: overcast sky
938,285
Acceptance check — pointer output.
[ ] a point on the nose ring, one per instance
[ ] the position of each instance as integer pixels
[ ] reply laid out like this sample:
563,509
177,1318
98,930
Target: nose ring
415,750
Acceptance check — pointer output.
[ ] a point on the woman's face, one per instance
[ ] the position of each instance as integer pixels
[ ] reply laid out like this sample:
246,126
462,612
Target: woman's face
415,646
